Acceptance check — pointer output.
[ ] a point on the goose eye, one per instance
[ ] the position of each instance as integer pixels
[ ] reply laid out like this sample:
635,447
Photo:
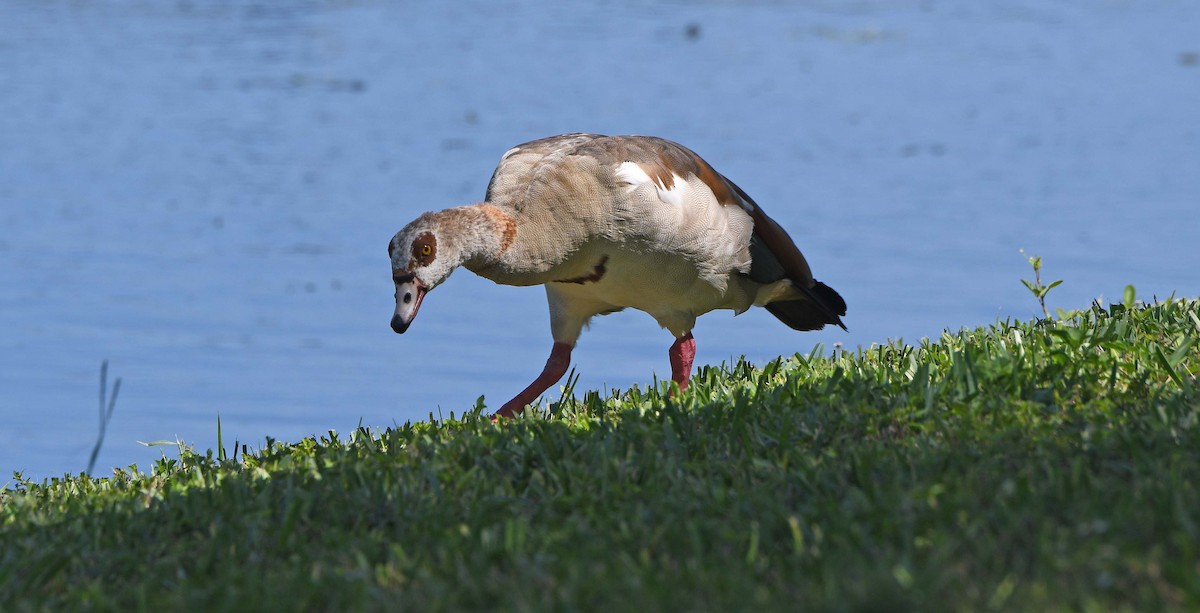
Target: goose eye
424,249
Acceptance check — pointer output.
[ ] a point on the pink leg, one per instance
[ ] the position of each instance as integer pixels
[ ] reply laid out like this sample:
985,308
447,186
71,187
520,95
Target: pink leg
682,353
556,366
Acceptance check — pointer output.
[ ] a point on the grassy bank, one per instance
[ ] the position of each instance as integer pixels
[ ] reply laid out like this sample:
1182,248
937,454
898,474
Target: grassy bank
1026,466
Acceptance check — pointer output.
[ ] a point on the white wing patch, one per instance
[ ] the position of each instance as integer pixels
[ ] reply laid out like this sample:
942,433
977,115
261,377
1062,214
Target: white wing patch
686,222
673,196
633,174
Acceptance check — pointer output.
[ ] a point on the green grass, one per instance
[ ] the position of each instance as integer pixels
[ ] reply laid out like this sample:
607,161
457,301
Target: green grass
1048,465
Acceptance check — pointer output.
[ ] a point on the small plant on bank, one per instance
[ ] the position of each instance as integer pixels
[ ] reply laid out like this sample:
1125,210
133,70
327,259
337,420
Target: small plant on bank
1035,287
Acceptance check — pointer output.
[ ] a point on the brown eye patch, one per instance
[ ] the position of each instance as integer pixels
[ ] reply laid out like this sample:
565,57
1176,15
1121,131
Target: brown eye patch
424,249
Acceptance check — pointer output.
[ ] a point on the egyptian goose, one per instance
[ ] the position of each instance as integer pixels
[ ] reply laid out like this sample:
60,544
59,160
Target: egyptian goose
607,223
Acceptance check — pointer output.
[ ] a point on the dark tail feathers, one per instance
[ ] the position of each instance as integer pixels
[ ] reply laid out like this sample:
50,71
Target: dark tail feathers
821,306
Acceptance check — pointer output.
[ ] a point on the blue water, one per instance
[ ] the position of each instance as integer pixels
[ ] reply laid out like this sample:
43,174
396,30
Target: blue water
202,192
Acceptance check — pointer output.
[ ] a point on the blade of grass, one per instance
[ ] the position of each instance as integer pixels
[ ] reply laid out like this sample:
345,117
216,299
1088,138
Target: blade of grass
106,411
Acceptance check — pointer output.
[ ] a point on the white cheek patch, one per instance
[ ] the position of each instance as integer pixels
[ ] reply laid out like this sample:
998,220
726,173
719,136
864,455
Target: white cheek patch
633,174
393,255
397,256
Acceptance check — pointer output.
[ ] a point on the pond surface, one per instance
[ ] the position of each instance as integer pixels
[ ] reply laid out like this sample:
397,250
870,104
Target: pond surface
202,192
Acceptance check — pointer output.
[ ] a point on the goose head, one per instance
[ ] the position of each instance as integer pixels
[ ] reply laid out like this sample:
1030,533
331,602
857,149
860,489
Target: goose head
423,255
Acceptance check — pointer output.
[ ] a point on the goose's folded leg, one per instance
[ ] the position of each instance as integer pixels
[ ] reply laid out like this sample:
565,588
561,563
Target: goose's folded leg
556,367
